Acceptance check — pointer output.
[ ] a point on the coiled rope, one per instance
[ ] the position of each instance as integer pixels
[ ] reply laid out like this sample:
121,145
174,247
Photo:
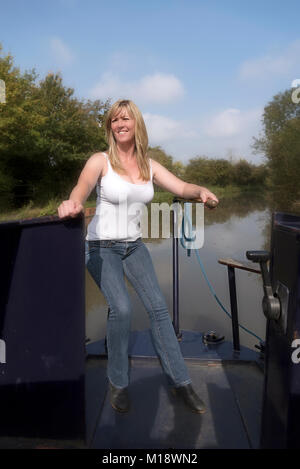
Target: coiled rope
183,239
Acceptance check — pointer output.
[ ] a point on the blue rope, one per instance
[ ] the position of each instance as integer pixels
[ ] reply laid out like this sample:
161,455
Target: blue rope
185,238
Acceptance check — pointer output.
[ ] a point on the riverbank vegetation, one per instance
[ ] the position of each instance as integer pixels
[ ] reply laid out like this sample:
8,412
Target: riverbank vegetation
47,133
280,143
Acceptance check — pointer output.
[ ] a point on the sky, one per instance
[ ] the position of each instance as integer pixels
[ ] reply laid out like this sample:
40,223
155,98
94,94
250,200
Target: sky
200,71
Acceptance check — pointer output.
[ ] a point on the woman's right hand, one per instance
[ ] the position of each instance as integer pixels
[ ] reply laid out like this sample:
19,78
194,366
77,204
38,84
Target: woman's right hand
69,208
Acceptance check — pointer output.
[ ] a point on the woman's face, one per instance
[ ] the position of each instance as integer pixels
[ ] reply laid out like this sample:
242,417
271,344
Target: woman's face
123,127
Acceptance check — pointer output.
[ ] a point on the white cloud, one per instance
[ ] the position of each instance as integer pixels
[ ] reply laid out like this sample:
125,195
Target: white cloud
161,88
228,132
156,88
61,51
226,123
267,66
162,129
232,122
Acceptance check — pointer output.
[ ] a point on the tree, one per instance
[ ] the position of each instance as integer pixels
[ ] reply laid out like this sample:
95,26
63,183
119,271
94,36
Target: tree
46,135
221,172
202,170
69,131
242,173
158,154
178,169
197,170
281,145
16,121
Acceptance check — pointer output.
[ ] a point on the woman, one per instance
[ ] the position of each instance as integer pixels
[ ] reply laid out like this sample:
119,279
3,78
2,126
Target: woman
124,179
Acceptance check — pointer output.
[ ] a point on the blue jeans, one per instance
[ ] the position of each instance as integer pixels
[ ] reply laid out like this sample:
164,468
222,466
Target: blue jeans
107,262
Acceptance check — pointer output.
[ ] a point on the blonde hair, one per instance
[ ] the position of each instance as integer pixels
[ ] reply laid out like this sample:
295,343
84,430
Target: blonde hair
141,138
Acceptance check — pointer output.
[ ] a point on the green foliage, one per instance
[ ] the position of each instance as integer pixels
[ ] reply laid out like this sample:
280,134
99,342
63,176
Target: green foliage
158,154
202,170
245,174
46,134
178,169
281,146
222,173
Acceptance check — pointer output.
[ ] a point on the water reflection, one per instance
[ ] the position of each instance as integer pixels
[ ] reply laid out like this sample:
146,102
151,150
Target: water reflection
232,229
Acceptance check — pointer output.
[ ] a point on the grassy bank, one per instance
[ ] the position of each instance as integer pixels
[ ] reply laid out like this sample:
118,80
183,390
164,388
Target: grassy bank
34,210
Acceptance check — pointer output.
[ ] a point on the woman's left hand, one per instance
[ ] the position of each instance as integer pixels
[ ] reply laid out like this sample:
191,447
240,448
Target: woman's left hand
207,197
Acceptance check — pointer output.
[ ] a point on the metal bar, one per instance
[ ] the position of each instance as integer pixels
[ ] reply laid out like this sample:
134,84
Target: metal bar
210,203
175,275
234,309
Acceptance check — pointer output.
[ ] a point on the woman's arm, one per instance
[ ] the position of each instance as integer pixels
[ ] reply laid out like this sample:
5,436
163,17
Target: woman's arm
165,179
86,183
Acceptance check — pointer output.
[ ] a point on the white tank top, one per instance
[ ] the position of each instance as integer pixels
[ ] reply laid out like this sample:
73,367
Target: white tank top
120,207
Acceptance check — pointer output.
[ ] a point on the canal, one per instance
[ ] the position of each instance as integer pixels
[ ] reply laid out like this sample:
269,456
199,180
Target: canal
229,231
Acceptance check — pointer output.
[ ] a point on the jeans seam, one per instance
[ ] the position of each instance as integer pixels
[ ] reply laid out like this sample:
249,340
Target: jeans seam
106,296
184,383
117,387
157,327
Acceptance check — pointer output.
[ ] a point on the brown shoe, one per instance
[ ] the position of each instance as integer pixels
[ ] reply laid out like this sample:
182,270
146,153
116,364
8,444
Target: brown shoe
119,398
191,399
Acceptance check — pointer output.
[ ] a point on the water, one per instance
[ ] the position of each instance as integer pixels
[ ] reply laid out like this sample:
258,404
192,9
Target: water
230,230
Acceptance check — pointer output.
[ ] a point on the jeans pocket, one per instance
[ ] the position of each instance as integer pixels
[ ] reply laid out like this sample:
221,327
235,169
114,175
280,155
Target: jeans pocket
90,249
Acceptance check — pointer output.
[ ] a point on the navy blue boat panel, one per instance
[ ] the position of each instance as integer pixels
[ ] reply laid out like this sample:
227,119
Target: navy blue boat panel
281,405
42,322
